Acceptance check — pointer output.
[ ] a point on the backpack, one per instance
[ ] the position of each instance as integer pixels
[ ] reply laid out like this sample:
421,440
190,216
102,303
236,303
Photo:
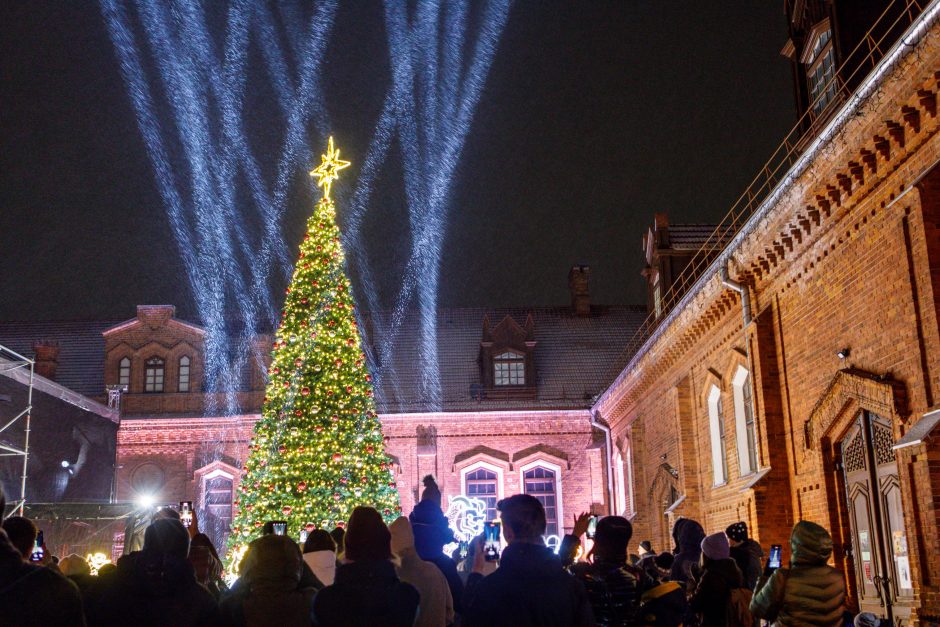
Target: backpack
739,613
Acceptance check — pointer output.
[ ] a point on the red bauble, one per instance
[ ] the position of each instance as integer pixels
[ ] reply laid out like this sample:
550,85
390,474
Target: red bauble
334,418
307,237
331,323
349,389
388,512
318,429
258,523
313,335
305,391
341,524
263,463
319,248
392,484
282,449
336,496
287,384
338,363
286,510
370,449
301,486
351,341
362,479
287,291
298,413
298,362
368,377
368,392
385,439
337,457
329,392
343,480
314,283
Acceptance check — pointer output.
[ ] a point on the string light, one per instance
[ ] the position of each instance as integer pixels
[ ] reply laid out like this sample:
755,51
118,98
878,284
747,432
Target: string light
96,561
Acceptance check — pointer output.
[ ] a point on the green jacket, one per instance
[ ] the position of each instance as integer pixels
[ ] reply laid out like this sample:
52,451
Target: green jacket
810,592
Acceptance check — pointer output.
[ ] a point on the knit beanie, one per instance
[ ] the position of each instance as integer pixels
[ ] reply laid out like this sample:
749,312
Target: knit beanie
367,537
647,546
716,547
737,532
402,535
431,492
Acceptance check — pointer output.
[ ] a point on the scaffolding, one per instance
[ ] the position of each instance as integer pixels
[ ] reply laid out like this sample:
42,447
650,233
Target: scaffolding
22,370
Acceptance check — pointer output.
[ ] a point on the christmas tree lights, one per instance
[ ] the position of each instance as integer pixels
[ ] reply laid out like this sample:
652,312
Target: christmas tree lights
318,450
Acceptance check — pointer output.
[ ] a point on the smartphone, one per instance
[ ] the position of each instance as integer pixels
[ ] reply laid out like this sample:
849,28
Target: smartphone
303,535
186,513
39,550
491,531
464,549
279,527
774,560
592,528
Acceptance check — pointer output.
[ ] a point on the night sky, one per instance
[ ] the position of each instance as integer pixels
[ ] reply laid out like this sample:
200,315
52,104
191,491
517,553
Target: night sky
594,116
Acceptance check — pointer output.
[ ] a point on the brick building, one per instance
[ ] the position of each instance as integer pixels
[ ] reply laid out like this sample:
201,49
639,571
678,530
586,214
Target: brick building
796,374
515,415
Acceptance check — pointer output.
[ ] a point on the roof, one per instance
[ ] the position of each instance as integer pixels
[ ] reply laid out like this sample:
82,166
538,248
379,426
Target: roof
574,357
697,236
81,349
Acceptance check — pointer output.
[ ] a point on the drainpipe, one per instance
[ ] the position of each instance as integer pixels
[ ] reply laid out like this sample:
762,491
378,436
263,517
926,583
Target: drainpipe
740,289
610,459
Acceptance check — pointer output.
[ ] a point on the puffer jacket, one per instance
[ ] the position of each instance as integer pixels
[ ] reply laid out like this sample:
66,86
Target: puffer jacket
810,592
748,555
613,589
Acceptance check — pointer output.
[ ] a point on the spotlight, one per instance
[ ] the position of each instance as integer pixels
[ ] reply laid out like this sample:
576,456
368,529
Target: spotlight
146,501
65,463
842,354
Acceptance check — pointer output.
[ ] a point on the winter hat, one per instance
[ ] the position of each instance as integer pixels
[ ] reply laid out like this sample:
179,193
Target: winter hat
867,619
716,547
611,537
647,546
431,492
402,536
664,561
167,536
737,532
367,537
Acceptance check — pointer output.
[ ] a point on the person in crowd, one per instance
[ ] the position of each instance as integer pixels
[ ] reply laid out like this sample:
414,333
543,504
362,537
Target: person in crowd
663,605
155,585
320,555
646,549
746,553
867,619
688,535
432,531
612,585
32,595
206,565
366,591
76,568
271,590
711,600
436,607
22,534
530,586
810,593
657,567
339,534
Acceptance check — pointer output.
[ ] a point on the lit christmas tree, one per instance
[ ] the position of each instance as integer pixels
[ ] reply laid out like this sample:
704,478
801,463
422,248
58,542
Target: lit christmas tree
317,450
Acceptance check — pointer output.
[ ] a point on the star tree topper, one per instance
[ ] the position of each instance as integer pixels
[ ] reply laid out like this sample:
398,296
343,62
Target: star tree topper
328,170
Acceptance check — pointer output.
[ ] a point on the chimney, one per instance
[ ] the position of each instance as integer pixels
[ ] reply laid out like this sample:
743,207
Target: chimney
47,358
578,278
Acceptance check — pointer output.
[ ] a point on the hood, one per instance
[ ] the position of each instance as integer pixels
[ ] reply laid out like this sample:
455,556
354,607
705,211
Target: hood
750,547
529,560
727,569
273,561
689,536
402,536
810,544
431,529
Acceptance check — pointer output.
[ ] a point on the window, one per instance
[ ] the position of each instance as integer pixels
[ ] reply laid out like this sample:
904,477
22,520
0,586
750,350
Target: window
717,433
745,430
124,371
820,63
184,374
509,369
657,297
481,483
621,483
153,375
540,483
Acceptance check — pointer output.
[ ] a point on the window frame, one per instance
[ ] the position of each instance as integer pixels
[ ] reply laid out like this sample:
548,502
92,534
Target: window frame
151,364
478,465
820,94
180,387
124,371
556,470
516,369
717,437
745,426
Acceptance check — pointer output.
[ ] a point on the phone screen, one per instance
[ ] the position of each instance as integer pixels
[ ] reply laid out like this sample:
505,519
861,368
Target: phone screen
38,551
464,549
186,513
279,527
303,535
592,527
774,560
491,540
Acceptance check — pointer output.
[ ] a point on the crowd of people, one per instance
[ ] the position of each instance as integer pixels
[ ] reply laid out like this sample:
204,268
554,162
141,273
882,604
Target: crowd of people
367,573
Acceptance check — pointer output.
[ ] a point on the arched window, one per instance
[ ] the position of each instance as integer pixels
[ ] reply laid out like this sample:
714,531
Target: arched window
540,482
124,371
184,374
153,375
509,369
745,430
819,58
482,483
716,425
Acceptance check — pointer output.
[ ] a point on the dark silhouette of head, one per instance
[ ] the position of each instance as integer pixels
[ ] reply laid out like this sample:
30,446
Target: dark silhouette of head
367,536
22,533
168,537
611,539
319,540
339,537
523,518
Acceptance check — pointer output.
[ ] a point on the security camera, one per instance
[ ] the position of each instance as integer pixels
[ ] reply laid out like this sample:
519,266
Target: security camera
843,353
